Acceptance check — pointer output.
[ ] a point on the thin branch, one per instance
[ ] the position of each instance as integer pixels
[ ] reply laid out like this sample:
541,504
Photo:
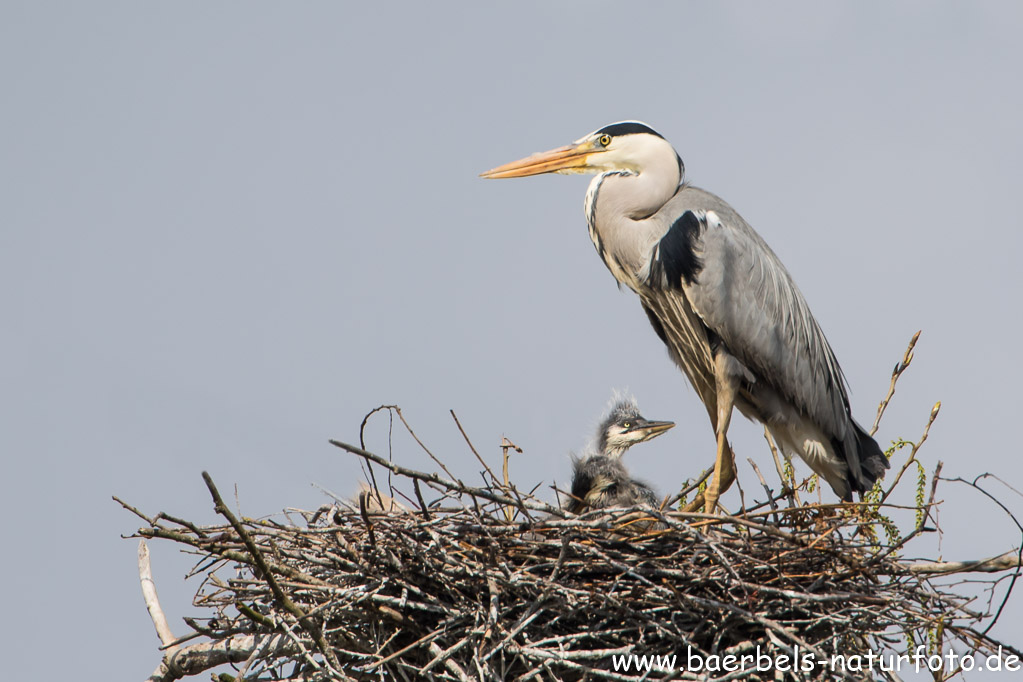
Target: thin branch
912,455
279,595
996,564
691,487
198,658
449,485
493,477
163,630
421,443
900,367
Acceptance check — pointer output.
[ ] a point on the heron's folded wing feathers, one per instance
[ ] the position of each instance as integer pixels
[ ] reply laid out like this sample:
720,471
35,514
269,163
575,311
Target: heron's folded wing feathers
745,296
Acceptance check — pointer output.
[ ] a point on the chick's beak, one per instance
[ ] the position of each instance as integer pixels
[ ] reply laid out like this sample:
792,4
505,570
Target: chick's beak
652,429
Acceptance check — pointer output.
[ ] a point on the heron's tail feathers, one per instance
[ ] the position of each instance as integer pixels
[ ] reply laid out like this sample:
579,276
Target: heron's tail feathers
873,462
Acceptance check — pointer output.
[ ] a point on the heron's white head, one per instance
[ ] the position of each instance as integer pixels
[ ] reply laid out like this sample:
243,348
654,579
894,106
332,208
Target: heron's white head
628,146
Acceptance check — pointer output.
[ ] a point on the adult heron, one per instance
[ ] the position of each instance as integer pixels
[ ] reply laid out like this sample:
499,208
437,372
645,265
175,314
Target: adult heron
721,301
599,479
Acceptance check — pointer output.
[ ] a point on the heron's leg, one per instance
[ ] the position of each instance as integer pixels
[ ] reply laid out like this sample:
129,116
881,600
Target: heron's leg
727,479
724,466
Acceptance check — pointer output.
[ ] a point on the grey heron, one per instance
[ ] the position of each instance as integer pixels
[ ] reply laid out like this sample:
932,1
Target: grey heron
720,300
599,479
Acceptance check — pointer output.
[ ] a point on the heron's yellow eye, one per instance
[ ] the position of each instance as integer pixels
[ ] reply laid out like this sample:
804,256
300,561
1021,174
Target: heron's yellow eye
604,140
627,425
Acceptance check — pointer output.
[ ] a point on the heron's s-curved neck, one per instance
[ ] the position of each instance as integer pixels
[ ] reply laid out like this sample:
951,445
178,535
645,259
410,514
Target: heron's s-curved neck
621,210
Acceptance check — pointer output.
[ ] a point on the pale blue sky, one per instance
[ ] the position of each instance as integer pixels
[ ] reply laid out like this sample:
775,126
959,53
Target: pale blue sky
228,231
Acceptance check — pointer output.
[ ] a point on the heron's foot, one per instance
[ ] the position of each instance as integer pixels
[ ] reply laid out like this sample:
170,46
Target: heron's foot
722,466
710,497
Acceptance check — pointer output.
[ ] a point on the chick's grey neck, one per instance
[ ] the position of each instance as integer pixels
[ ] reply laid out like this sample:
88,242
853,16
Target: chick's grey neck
604,447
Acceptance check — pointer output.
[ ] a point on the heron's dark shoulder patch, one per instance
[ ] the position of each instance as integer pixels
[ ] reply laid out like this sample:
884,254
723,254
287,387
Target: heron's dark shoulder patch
675,259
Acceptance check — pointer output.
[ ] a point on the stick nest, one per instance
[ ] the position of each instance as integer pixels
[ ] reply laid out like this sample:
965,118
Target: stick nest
490,583
501,587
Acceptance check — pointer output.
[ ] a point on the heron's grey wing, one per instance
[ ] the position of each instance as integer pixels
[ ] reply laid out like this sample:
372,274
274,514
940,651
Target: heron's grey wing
744,295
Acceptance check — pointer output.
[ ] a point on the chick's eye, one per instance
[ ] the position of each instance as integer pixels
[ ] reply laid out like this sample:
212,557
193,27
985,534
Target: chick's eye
604,140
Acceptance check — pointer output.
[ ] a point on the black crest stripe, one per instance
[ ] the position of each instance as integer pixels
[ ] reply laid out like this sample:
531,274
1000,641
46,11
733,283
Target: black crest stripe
627,128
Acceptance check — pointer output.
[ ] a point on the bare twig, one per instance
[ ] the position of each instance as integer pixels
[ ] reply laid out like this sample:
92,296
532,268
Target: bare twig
472,447
912,455
198,658
691,487
449,485
279,595
900,367
507,445
163,630
996,564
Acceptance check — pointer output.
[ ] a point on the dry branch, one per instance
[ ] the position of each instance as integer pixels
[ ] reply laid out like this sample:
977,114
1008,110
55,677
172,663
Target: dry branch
996,564
163,630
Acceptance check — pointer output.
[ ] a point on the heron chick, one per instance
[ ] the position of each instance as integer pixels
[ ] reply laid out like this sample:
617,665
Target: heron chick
599,479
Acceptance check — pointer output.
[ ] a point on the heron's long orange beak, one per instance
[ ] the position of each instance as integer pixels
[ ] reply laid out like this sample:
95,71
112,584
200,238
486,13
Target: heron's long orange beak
570,159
